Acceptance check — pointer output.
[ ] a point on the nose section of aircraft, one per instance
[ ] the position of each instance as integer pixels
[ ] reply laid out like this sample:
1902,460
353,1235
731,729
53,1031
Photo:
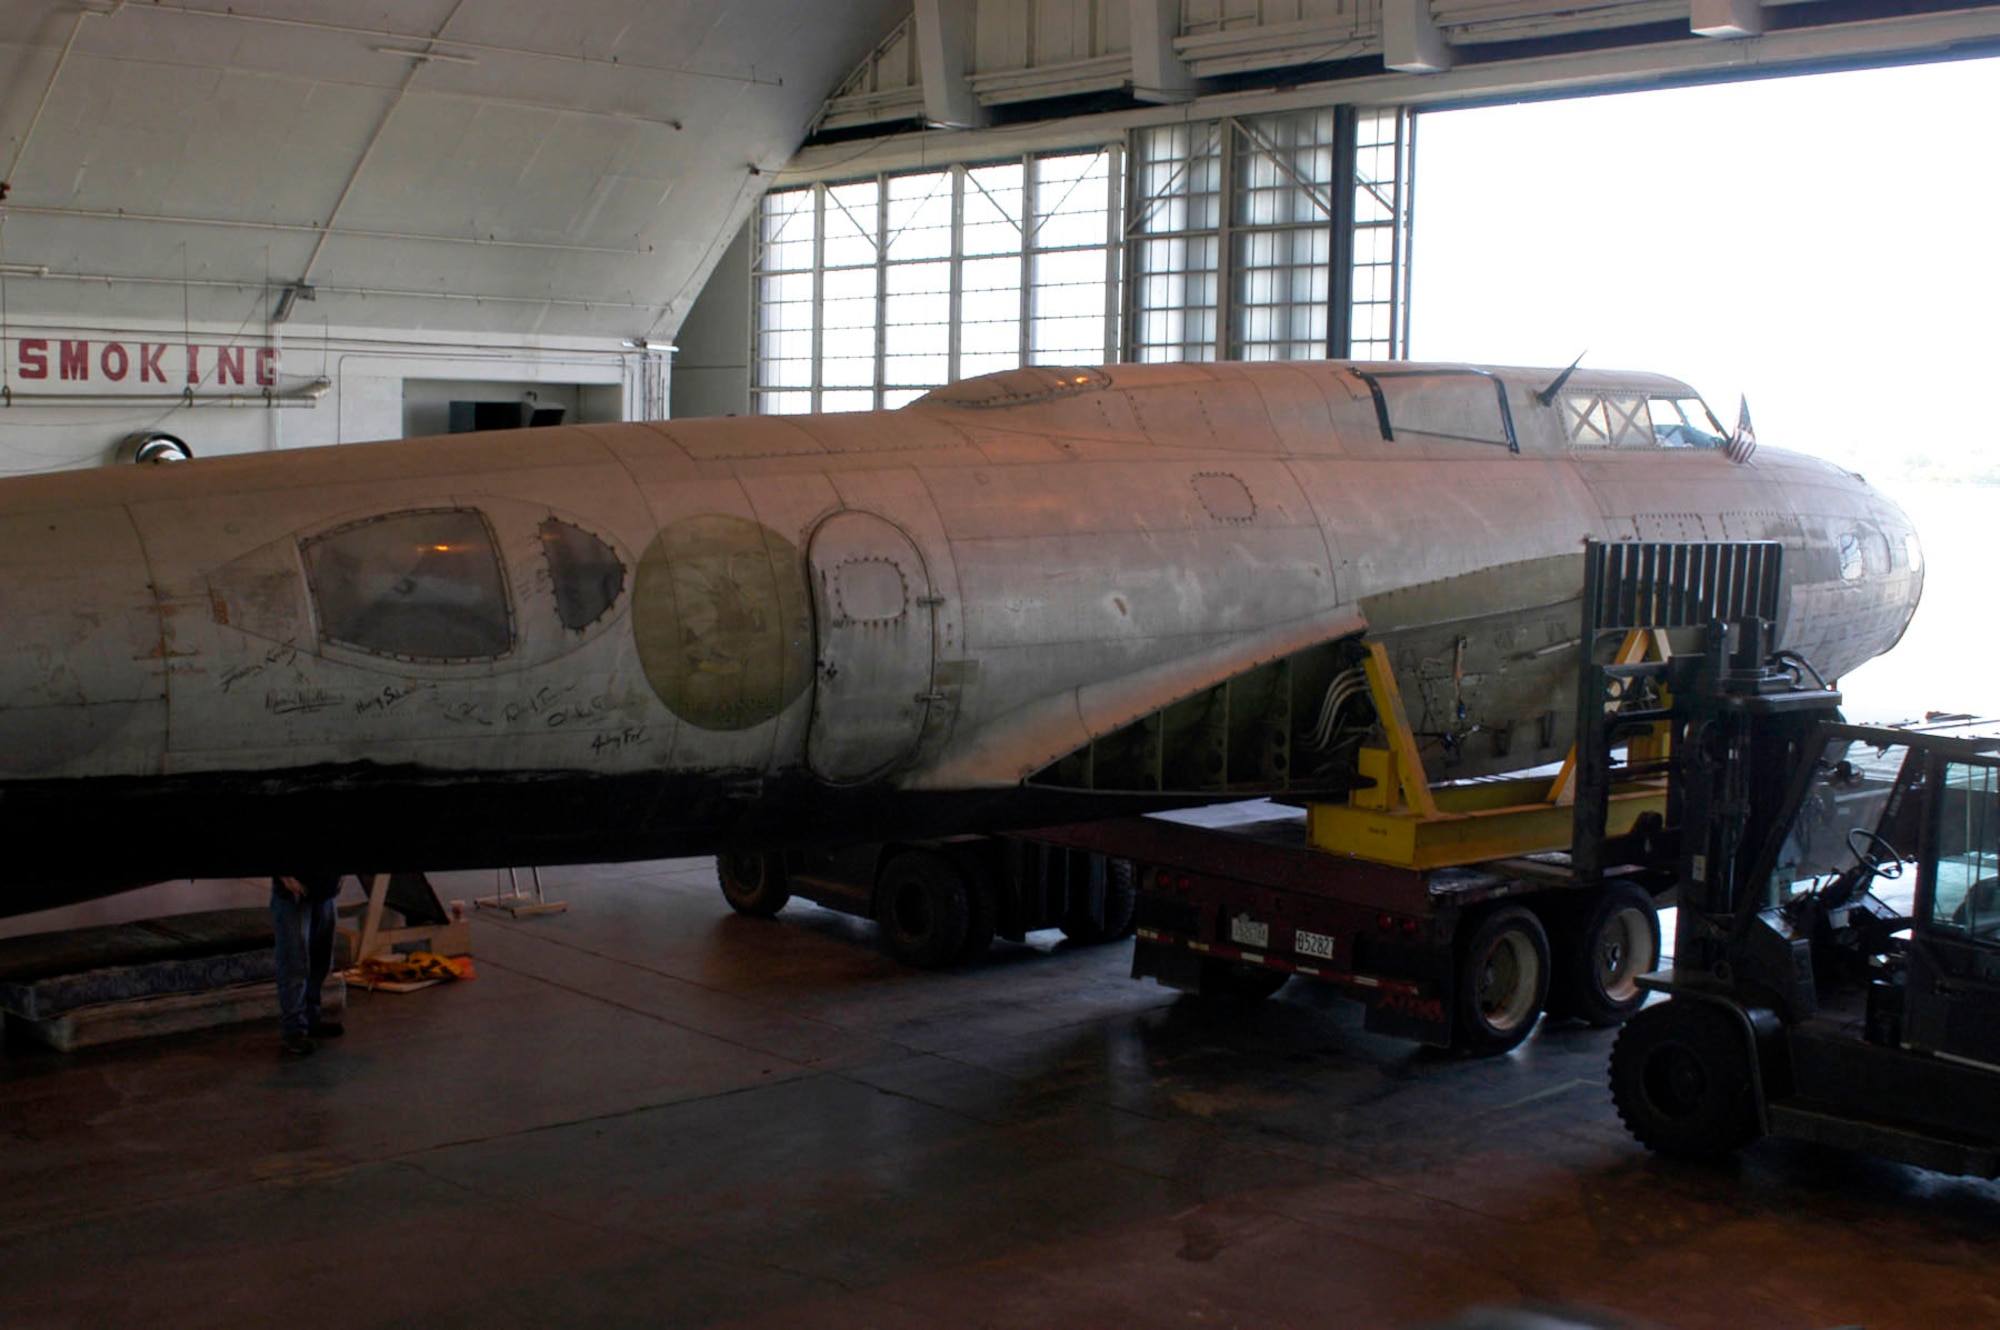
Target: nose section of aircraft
1905,582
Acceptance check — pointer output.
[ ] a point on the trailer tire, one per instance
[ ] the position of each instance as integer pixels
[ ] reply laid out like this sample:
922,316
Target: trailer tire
753,883
924,909
1121,899
1503,978
1239,979
981,918
1681,1080
1601,950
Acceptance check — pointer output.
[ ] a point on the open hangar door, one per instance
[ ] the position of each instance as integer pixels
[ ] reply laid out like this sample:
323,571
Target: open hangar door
1818,245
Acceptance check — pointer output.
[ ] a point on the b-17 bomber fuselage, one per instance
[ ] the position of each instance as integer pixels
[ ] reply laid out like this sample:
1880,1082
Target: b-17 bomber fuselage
1025,598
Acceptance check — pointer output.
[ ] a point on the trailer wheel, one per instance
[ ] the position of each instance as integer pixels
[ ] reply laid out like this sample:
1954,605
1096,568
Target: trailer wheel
753,883
1680,1078
923,908
1121,898
1503,976
981,918
1239,979
1601,954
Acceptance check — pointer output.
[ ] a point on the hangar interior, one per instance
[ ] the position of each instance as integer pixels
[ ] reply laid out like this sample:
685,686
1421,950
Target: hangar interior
289,224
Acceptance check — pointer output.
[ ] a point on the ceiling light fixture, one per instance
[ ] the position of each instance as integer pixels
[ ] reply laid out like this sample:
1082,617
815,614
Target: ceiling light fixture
409,54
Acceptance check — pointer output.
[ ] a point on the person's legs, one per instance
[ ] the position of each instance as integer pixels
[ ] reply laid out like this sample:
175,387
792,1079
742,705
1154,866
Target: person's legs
289,958
321,923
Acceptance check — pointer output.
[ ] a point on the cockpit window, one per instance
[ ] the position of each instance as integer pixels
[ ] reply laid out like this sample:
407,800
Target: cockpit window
423,585
1631,420
1685,422
1455,405
1863,550
1606,420
585,573
1850,555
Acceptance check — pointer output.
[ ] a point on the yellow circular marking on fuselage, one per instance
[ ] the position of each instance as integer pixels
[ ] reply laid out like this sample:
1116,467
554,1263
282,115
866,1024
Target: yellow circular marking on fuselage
722,622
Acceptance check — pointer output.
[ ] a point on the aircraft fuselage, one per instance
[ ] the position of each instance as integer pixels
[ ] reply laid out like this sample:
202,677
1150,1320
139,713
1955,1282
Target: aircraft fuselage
623,641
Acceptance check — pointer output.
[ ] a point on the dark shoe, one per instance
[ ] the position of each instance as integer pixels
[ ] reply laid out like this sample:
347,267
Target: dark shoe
326,1029
295,1045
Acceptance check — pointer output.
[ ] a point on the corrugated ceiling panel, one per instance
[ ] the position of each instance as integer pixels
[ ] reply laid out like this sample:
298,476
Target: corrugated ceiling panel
163,110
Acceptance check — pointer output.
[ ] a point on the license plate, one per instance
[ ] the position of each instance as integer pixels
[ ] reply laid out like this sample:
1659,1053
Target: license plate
1249,932
1313,944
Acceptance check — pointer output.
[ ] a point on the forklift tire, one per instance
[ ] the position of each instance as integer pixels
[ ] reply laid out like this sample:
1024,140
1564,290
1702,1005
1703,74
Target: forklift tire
1601,949
1503,978
1121,898
1238,979
753,883
1680,1078
924,909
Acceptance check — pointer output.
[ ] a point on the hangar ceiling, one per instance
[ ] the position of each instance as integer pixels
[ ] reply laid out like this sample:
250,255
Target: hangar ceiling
495,166
1001,68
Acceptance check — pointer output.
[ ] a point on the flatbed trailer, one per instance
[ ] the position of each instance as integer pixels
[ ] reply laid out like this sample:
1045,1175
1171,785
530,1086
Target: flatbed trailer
942,902
1239,902
1459,913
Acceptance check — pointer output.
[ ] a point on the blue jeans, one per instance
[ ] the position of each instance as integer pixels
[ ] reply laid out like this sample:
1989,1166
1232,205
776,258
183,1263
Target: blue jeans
304,954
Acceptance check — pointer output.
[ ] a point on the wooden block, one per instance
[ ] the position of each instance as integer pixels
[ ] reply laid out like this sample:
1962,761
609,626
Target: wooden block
140,1018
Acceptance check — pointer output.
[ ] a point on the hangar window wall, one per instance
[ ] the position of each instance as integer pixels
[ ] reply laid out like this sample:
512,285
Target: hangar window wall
1273,237
870,292
1245,246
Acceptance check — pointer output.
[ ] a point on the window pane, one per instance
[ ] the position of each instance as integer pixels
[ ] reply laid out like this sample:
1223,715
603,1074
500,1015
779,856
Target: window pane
784,404
1282,280
1284,169
850,223
585,573
1179,178
1967,895
924,371
1072,193
1461,408
787,231
420,586
847,401
971,365
920,216
993,209
848,371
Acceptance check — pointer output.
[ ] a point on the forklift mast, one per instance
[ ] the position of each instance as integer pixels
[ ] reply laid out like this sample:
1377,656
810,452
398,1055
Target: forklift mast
1734,723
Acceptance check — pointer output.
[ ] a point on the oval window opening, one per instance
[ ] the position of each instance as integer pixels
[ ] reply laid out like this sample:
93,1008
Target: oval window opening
869,591
1850,555
416,586
585,573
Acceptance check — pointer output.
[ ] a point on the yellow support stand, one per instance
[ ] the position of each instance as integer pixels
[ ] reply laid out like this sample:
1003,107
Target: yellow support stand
1405,821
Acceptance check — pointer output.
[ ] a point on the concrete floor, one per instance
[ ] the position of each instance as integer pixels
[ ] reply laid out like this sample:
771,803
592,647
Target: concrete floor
647,1111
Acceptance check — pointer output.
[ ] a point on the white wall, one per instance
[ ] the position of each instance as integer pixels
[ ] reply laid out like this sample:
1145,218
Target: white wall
331,386
712,367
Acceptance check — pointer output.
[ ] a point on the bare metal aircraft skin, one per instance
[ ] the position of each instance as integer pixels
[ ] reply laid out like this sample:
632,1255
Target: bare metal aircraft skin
1023,598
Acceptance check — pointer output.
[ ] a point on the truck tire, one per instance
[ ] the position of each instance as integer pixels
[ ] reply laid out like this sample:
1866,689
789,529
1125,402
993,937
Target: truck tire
1238,979
1121,898
753,883
981,918
1503,978
1681,1080
1601,949
923,908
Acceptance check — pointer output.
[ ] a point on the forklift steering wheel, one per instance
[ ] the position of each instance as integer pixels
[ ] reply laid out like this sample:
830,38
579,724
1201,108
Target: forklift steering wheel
1875,852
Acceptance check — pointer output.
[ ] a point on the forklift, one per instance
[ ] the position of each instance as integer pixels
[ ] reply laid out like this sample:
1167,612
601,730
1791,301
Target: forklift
1836,964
